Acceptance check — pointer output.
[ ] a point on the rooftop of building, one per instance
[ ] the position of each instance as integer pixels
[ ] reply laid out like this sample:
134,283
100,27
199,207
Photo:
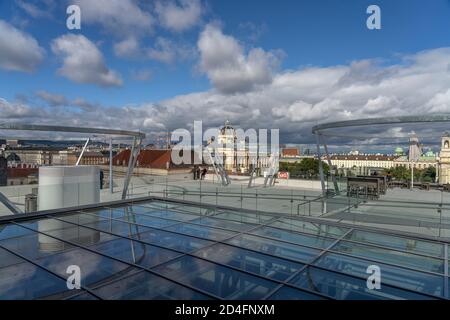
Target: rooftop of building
367,157
160,249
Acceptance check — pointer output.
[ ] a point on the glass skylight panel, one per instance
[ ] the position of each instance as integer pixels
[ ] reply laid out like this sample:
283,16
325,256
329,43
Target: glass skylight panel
276,248
106,212
145,285
202,231
288,293
135,252
9,231
17,274
173,240
342,287
244,217
391,256
395,276
220,281
402,243
82,218
148,221
318,229
296,238
83,296
250,261
229,255
174,215
219,223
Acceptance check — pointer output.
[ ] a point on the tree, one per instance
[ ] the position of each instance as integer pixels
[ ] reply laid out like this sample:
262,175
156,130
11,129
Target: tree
429,174
306,168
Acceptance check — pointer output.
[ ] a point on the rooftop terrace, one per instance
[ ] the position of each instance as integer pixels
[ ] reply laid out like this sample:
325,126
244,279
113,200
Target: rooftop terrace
155,248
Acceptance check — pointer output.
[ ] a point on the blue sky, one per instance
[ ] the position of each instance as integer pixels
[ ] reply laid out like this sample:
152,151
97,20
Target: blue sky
286,43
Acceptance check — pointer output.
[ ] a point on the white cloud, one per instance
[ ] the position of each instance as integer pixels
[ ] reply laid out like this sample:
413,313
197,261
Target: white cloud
83,62
128,47
295,100
228,67
168,52
117,17
43,10
179,16
54,100
19,51
141,75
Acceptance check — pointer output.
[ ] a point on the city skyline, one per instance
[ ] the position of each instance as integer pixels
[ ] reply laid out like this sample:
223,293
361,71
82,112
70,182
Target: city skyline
280,68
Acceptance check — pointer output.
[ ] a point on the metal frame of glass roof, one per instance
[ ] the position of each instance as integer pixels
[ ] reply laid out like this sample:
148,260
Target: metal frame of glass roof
157,248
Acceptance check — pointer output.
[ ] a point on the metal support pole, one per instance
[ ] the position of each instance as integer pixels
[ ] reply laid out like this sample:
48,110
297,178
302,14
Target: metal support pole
111,187
322,180
82,151
135,150
333,177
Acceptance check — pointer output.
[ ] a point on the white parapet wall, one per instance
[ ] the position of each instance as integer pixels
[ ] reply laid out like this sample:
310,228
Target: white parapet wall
68,186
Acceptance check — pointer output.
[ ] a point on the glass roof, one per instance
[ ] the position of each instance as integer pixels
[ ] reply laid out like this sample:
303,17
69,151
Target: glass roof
168,250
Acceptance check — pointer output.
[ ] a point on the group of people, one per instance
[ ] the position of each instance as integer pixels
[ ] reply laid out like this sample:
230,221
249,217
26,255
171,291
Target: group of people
199,174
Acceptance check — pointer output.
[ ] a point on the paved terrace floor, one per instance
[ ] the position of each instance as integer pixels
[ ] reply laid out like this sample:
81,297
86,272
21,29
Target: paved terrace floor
416,211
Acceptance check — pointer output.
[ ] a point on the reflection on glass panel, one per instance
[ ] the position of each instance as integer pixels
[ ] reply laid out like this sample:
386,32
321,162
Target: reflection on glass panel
220,281
148,221
219,223
117,227
173,241
81,218
11,231
301,239
145,285
174,215
412,280
30,245
95,268
202,231
59,256
181,207
244,217
288,293
135,252
276,248
106,212
261,264
21,280
84,296
61,230
342,287
395,257
318,229
407,244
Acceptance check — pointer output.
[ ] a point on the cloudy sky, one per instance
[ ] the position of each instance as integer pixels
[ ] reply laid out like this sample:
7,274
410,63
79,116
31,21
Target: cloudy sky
160,65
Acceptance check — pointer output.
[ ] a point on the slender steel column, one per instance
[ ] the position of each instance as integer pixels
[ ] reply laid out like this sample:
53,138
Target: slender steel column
111,187
333,176
319,156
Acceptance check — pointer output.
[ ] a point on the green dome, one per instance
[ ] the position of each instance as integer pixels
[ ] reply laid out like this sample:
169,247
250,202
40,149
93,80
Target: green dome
429,153
399,151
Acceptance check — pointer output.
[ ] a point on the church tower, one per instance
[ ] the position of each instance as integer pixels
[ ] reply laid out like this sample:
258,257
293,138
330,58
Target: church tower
444,160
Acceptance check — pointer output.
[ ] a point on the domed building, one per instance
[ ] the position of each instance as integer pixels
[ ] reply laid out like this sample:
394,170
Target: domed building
235,157
399,151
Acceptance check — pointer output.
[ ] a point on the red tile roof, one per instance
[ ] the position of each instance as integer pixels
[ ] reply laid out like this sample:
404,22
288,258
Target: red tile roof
157,159
20,172
290,152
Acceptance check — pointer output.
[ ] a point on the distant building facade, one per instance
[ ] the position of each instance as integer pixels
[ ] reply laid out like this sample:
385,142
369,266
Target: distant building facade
444,160
349,161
